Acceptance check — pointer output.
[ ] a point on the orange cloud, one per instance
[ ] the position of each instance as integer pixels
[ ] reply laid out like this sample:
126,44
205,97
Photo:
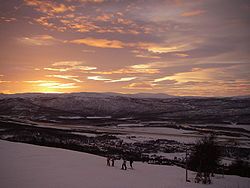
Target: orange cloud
124,21
181,55
162,49
37,81
140,86
149,68
143,54
67,77
126,79
67,63
104,17
39,40
46,21
49,86
154,65
129,70
57,69
3,81
81,27
64,66
49,7
193,13
100,43
196,75
58,85
147,56
167,47
98,78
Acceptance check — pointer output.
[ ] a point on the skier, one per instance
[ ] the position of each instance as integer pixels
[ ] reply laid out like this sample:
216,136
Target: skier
108,161
124,165
131,163
112,161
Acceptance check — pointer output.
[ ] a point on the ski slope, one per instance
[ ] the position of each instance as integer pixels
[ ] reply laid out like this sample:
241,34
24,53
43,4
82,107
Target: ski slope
29,166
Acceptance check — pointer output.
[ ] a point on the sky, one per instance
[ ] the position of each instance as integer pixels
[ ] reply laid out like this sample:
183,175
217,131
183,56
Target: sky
177,47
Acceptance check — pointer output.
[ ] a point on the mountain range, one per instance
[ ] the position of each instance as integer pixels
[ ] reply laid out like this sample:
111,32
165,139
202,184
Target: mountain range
116,105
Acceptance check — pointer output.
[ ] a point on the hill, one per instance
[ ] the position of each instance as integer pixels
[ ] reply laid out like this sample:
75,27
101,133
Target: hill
27,166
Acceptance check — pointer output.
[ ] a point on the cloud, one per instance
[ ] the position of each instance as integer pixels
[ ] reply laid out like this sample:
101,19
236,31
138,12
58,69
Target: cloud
37,81
67,63
175,46
126,79
101,78
196,75
149,68
107,43
58,85
206,80
162,79
100,43
67,77
49,7
88,51
147,56
98,78
140,86
4,81
46,21
143,54
99,22
168,49
193,13
104,17
210,88
64,66
57,69
7,19
129,70
39,40
52,84
167,40
181,55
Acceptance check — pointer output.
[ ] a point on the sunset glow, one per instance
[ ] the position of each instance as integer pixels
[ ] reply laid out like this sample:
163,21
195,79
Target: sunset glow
162,46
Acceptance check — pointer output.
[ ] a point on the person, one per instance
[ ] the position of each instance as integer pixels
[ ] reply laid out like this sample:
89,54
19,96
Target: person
131,163
108,161
198,177
124,165
112,161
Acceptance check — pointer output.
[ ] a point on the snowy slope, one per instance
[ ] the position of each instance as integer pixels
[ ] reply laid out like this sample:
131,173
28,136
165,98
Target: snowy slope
24,165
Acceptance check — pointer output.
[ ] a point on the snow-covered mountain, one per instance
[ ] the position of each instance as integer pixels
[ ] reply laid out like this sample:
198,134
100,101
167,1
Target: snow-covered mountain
149,106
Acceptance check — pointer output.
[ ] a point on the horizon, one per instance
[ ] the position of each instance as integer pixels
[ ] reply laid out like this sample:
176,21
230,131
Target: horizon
119,93
171,47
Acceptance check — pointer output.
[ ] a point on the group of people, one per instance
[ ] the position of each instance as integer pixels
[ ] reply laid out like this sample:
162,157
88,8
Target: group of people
204,178
111,162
